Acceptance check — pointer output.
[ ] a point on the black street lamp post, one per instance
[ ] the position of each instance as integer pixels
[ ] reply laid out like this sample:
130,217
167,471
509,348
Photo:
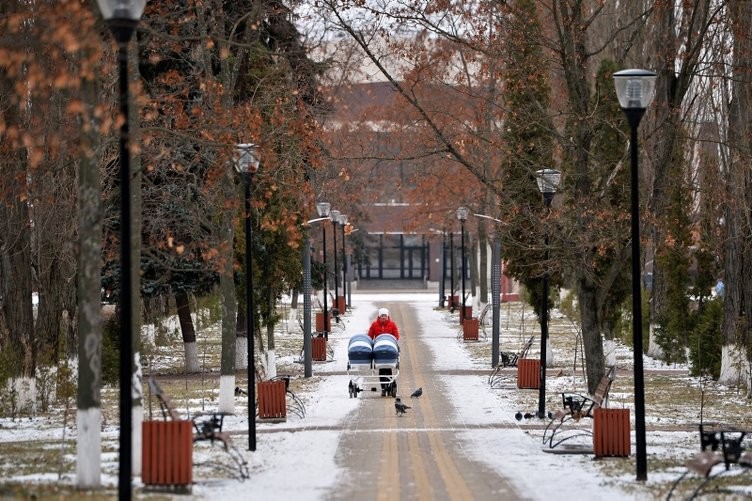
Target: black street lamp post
247,163
323,209
462,216
343,223
307,348
334,216
548,182
307,353
635,89
442,285
451,272
122,17
495,299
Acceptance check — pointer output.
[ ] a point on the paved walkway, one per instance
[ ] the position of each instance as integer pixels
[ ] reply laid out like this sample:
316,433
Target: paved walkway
416,456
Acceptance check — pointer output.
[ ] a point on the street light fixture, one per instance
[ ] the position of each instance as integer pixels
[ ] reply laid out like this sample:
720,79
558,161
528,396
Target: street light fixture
462,216
343,223
635,89
247,163
122,17
334,216
323,209
548,182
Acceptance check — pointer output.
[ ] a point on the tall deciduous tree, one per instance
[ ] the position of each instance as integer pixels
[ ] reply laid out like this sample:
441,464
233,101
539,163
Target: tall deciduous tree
737,309
677,54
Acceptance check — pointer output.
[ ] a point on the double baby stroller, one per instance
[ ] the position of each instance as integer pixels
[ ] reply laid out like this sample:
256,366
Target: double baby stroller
373,363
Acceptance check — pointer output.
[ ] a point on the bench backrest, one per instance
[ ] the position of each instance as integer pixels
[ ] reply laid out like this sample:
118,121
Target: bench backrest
526,347
483,313
601,392
165,403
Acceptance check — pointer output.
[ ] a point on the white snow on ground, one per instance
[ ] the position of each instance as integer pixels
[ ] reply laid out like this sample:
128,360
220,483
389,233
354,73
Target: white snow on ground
296,459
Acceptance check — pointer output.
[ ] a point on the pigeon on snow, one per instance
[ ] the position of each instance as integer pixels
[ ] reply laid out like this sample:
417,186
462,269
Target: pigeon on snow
400,407
417,393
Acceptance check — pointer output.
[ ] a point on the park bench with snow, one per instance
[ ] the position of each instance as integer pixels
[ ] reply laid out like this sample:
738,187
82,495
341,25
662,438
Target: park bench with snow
723,447
509,359
207,427
576,406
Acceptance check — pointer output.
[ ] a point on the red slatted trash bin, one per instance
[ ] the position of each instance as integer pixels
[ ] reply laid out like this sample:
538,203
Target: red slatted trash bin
320,322
167,454
271,400
470,328
318,349
341,305
528,373
611,433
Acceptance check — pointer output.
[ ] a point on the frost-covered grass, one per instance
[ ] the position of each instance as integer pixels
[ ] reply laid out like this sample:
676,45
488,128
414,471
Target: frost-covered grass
38,457
675,404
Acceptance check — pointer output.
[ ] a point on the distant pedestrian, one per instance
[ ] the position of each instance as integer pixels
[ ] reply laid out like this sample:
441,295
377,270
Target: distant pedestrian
383,325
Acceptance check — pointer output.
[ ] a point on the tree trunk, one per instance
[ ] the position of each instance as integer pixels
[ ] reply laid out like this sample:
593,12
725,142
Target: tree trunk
15,247
137,411
88,403
483,266
737,304
592,341
188,331
229,307
271,357
241,341
473,265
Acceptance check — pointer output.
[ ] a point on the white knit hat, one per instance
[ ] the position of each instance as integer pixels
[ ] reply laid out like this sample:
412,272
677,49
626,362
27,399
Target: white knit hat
383,311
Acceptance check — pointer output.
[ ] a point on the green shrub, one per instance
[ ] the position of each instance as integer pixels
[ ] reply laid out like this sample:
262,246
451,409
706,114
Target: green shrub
110,352
211,304
706,340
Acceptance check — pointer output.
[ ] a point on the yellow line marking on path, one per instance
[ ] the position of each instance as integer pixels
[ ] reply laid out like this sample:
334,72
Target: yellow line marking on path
454,483
389,474
423,488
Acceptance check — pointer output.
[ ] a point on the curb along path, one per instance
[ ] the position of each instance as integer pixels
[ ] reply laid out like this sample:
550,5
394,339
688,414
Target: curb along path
418,455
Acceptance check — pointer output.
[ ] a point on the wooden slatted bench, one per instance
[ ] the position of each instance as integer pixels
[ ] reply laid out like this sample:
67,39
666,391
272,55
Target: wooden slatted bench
477,325
576,406
719,445
206,427
508,359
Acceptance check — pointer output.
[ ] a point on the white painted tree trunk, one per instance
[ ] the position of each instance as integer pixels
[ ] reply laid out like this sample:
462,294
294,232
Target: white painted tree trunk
549,353
227,394
654,349
271,364
89,448
191,358
609,352
137,416
734,366
241,353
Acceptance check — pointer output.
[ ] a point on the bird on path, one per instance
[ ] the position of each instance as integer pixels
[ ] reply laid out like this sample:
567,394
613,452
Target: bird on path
417,393
400,407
